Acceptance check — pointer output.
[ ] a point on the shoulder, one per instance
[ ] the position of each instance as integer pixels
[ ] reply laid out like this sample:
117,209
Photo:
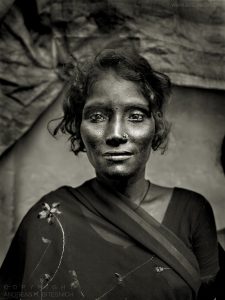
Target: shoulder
197,209
48,207
50,198
61,201
181,197
191,198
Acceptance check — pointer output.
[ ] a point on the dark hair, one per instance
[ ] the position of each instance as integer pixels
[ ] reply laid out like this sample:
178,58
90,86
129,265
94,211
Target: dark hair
129,65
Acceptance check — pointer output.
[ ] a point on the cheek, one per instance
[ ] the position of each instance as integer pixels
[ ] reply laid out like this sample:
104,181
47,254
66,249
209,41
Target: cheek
143,137
90,135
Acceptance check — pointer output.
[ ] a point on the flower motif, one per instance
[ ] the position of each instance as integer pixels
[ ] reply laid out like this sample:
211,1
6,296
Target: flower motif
46,241
160,269
48,211
44,278
75,284
119,278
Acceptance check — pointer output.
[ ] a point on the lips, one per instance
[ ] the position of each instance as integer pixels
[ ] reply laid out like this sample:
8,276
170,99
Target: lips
117,155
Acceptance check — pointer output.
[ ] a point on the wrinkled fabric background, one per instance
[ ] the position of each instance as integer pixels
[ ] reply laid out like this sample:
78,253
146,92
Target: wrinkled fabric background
183,38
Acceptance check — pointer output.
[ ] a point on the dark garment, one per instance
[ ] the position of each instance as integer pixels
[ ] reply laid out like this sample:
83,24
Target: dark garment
220,280
190,217
60,256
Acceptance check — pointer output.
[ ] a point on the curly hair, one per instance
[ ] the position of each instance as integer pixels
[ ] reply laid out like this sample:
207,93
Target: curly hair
129,65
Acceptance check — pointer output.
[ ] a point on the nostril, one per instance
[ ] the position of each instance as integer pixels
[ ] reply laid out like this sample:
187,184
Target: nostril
116,140
112,142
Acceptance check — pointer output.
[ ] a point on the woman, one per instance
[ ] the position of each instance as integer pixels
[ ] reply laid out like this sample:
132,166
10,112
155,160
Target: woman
117,236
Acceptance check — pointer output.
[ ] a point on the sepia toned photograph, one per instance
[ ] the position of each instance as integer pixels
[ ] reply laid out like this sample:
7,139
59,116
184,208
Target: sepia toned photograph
112,149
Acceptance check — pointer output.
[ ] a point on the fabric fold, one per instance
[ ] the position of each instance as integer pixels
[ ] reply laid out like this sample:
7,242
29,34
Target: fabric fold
143,228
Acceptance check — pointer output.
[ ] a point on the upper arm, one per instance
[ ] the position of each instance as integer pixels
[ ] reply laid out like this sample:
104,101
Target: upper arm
204,240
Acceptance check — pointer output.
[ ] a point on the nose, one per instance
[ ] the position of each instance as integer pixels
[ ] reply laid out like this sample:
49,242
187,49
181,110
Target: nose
115,134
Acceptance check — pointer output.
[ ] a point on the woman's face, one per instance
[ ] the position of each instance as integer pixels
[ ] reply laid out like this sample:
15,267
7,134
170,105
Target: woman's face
117,128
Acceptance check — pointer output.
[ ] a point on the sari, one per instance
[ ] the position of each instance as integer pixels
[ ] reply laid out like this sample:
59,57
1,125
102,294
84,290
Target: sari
57,254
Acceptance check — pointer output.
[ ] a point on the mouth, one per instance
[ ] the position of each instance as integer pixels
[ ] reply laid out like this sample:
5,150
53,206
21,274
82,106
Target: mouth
117,156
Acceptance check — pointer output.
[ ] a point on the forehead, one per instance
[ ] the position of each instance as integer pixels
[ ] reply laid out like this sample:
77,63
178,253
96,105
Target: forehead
110,88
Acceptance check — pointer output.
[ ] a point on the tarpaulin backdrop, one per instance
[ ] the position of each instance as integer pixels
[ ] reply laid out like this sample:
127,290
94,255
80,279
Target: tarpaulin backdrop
183,38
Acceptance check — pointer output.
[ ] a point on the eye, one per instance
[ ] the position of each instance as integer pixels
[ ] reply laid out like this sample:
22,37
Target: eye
136,117
97,117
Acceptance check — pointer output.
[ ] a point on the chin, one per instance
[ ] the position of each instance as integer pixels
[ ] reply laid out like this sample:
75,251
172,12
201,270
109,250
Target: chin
119,173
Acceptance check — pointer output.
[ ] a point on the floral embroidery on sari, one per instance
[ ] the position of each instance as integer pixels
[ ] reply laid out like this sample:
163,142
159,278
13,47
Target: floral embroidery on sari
48,242
120,278
75,284
50,212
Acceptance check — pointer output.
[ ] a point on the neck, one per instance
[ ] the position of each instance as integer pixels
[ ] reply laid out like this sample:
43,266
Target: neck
134,188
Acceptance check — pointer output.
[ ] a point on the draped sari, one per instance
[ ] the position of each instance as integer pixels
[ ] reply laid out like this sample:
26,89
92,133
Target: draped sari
57,253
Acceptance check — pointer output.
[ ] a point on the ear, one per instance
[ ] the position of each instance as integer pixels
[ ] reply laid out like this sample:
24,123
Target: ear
81,145
156,137
155,142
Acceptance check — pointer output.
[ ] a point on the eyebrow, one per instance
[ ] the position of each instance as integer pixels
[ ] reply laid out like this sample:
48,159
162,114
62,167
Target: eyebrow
102,104
143,108
95,105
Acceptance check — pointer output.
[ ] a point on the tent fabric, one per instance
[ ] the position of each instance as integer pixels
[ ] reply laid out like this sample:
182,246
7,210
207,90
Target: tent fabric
183,38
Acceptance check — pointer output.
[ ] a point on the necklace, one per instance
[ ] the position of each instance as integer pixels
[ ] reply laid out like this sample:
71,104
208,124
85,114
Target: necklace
145,194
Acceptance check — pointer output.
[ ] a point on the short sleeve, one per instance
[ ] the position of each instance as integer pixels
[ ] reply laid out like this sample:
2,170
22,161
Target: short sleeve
204,240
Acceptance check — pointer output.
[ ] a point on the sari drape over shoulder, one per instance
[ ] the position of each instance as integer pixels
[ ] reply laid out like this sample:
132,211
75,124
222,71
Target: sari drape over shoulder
57,253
